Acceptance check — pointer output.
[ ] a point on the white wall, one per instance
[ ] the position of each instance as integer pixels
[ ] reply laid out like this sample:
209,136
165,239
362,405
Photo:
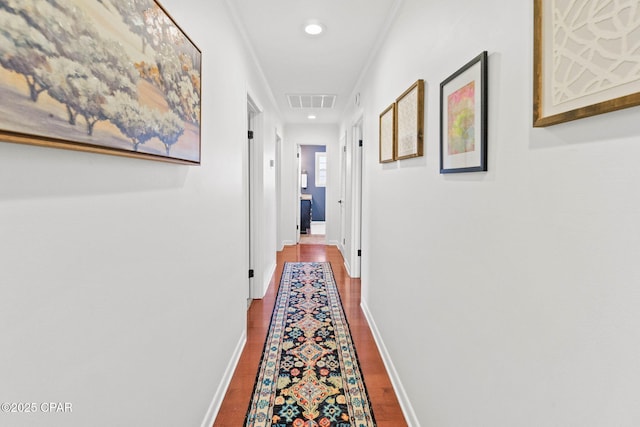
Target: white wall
506,298
310,134
123,282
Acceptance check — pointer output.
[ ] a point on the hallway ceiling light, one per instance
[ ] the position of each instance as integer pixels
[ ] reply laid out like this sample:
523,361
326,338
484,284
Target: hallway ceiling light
313,28
311,117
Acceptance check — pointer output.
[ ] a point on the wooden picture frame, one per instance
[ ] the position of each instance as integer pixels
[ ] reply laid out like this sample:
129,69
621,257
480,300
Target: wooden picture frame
463,118
117,77
585,60
409,119
387,134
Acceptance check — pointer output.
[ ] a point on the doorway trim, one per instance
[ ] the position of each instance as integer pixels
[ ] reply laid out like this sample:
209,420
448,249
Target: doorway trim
298,191
342,201
254,137
352,167
358,153
279,198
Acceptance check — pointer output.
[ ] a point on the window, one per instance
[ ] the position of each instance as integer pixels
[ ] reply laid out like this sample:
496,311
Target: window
321,169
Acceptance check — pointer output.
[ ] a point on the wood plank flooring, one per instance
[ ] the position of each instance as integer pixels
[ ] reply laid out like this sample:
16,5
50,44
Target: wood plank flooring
386,408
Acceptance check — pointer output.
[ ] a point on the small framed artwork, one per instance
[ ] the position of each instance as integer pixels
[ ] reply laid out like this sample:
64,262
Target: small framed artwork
388,134
585,59
463,118
410,122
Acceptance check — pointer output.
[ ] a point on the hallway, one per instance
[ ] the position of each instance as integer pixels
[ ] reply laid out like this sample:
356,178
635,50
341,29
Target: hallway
386,408
507,297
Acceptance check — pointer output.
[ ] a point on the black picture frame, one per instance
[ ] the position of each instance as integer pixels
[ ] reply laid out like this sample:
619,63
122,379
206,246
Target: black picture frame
463,118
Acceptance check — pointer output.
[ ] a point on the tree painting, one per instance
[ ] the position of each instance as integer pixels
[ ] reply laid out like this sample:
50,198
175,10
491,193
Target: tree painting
111,73
461,120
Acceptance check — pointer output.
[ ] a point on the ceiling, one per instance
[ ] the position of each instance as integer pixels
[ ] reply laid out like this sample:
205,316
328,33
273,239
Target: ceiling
300,65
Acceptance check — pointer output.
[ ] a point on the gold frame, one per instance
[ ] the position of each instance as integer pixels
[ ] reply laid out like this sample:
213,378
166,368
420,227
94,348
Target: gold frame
413,116
387,138
539,117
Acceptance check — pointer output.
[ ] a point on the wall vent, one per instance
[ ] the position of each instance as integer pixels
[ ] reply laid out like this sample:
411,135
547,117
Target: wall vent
321,102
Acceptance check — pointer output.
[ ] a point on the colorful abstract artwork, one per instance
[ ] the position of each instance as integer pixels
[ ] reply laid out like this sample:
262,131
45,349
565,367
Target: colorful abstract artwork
108,76
309,374
461,120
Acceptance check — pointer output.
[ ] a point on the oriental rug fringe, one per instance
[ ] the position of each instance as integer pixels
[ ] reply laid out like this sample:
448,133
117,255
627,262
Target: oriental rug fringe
309,375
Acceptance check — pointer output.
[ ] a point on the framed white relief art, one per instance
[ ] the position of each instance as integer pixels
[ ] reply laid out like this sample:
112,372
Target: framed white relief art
586,58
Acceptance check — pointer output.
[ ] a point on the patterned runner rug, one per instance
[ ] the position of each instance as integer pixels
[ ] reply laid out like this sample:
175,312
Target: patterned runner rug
309,375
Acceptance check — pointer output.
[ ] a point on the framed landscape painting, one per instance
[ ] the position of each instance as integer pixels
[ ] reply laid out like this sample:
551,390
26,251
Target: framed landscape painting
106,76
463,118
586,59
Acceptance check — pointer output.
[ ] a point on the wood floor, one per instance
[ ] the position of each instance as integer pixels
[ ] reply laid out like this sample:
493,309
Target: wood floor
386,408
312,239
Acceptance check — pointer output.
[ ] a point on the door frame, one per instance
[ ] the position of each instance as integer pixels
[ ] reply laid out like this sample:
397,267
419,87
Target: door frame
352,168
298,191
343,193
358,153
278,171
253,125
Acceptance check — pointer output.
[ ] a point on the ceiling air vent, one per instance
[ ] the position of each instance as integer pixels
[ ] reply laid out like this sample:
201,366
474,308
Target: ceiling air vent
311,101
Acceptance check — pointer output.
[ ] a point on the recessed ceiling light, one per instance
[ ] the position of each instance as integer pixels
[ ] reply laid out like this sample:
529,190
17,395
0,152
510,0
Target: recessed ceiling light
314,28
311,117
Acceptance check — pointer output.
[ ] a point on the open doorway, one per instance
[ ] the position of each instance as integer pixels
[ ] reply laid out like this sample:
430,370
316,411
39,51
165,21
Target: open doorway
313,183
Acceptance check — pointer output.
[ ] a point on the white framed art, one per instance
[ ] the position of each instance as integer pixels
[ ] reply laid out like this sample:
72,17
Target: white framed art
586,58
410,122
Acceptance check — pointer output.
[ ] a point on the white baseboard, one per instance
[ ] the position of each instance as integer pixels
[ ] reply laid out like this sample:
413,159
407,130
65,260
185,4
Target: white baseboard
347,266
405,404
214,407
344,257
288,243
267,279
